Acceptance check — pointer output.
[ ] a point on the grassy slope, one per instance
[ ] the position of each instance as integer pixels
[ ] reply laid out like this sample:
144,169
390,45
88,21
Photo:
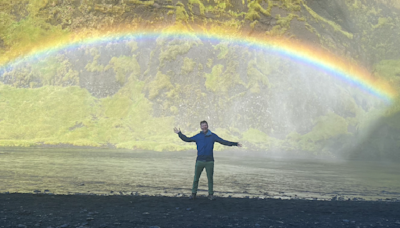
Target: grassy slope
61,112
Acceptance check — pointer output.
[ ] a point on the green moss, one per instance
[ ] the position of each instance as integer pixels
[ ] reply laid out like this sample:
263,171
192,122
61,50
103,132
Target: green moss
255,8
253,24
388,70
133,45
174,109
181,14
326,127
383,21
213,79
222,78
20,36
209,63
124,66
335,26
223,48
94,66
36,114
255,76
188,65
312,29
259,139
292,5
161,81
175,48
56,70
199,3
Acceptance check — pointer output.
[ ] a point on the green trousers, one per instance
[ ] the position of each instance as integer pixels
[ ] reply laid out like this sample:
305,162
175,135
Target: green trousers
200,165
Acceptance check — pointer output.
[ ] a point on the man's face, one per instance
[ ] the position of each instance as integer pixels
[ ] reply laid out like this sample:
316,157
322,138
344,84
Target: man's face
204,127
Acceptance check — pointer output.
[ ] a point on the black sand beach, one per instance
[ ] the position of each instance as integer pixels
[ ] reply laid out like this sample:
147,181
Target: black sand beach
44,210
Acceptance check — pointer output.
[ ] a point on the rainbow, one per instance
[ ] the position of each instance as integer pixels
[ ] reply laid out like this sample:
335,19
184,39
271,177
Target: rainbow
340,68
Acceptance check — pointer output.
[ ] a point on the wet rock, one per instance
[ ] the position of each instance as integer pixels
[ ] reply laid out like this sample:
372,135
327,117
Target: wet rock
46,190
397,222
146,213
177,208
189,209
36,191
154,227
64,226
21,226
345,220
89,219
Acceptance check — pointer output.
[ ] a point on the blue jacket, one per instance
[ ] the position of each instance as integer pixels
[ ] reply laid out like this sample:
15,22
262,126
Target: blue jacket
205,144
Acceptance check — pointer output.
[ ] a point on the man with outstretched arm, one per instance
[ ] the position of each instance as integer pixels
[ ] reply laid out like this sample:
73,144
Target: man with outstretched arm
205,159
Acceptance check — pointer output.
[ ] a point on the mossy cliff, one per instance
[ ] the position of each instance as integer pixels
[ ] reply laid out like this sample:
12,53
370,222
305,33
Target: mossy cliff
130,94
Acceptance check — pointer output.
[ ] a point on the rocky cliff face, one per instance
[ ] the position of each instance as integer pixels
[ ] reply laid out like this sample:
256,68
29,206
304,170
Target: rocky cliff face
130,93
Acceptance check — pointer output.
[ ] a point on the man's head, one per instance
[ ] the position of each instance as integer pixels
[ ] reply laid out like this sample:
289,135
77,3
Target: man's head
204,126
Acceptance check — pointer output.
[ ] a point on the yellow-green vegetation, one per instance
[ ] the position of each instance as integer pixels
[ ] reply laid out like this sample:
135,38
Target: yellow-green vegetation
335,26
223,48
383,21
291,5
326,127
55,70
312,29
253,24
174,48
255,9
123,66
389,71
181,15
257,75
161,82
209,62
188,65
44,115
260,140
199,3
94,66
283,25
70,115
221,78
133,45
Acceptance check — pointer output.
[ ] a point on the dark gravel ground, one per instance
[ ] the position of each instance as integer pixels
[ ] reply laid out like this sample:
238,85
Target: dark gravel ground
46,210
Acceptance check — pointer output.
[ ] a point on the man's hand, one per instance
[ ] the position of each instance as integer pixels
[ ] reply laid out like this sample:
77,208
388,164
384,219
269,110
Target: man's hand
176,130
239,145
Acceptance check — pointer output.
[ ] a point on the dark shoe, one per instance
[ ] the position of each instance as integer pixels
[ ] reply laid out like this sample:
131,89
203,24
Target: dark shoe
193,196
211,197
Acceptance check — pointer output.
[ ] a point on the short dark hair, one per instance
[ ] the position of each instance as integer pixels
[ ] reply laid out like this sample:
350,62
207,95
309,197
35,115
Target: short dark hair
203,122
